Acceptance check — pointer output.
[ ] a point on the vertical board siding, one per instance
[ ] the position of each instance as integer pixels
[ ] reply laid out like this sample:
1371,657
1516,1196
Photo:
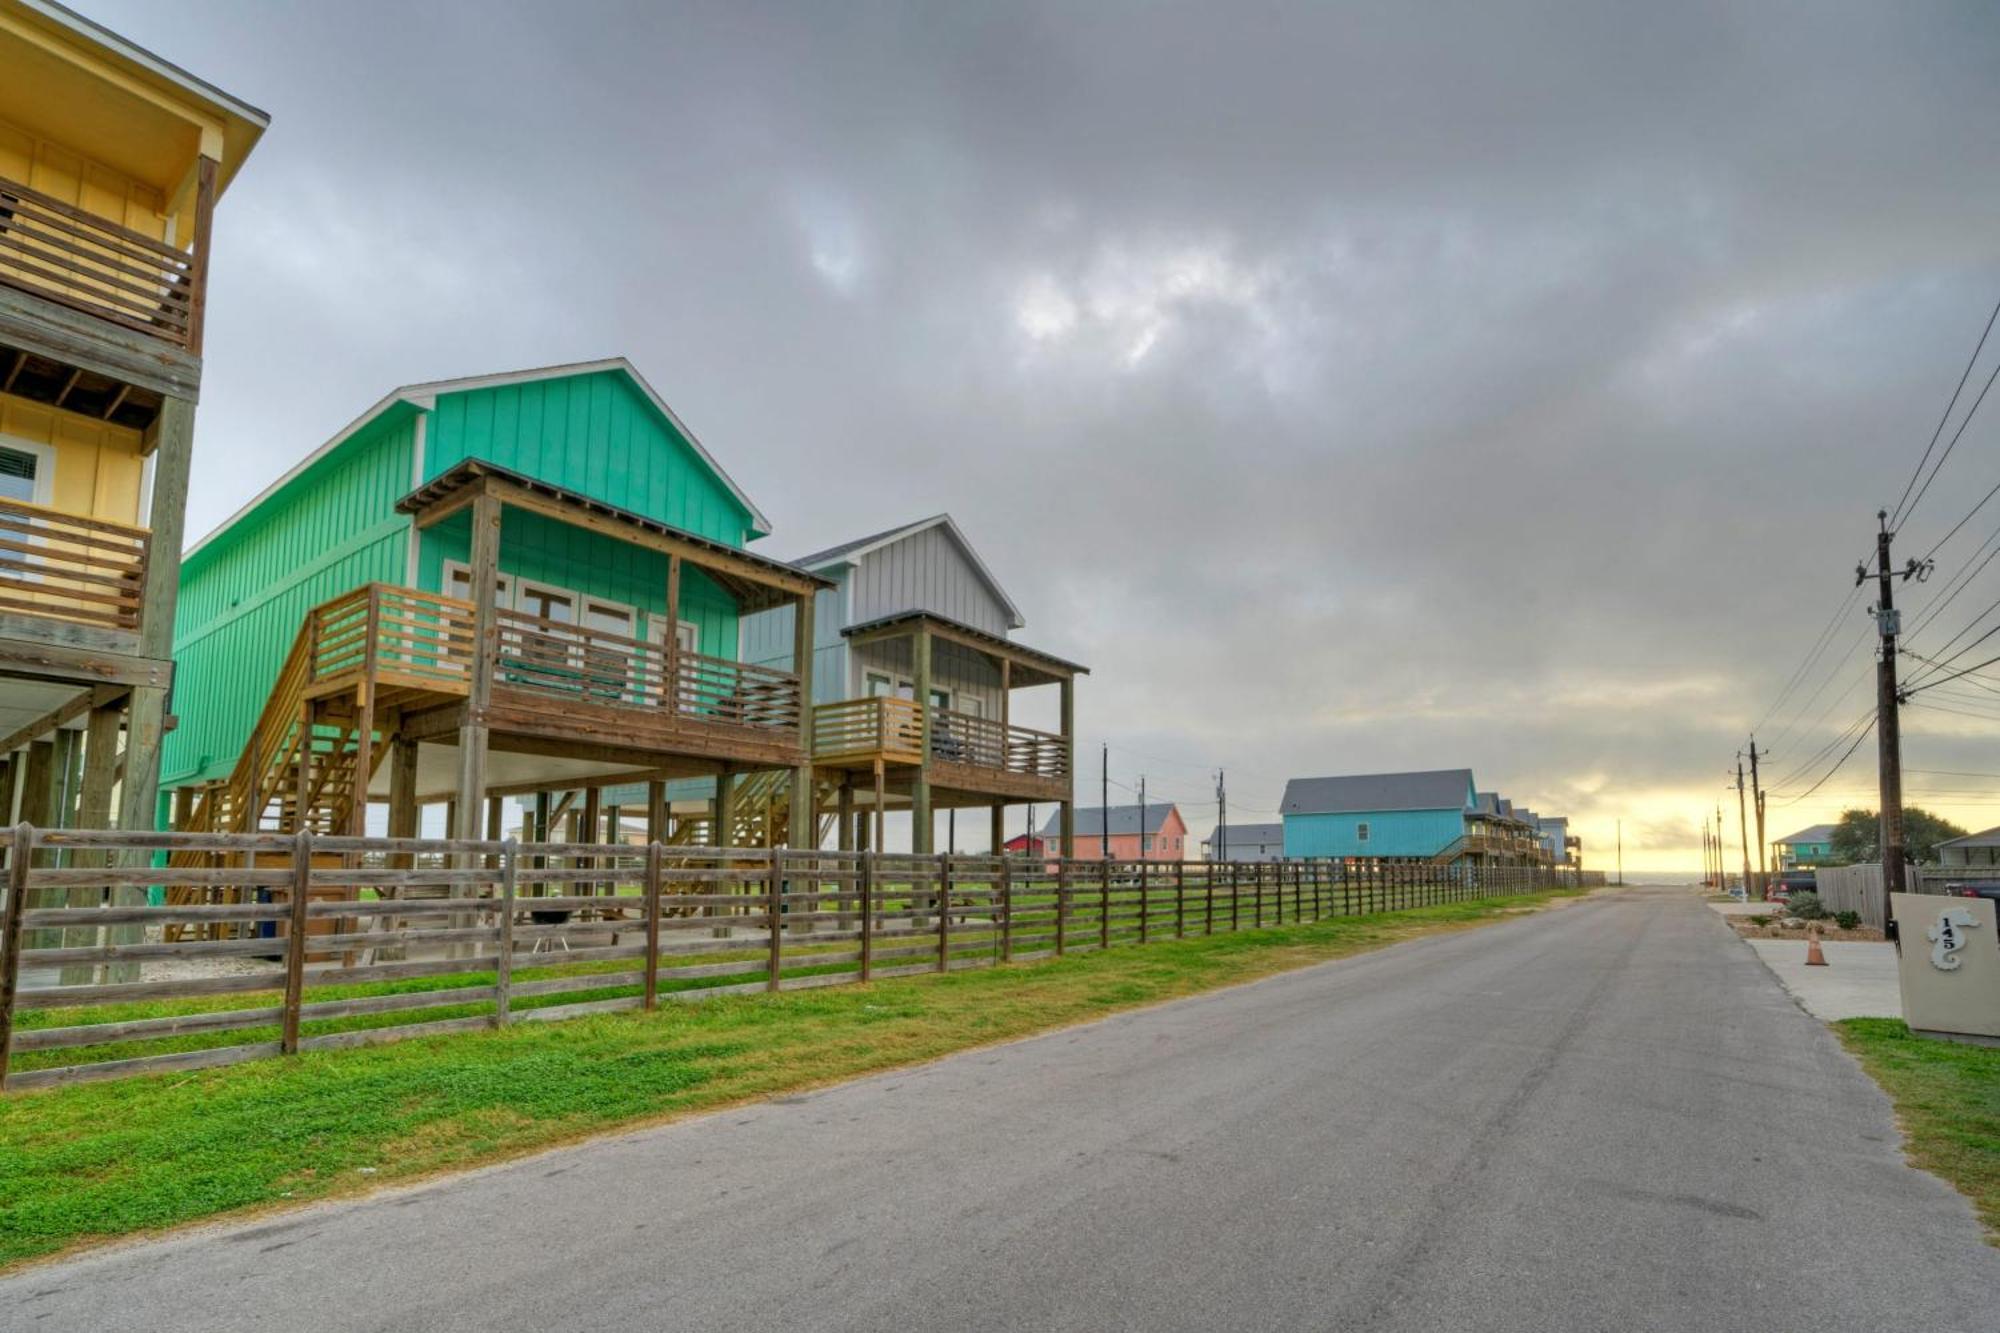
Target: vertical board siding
243,598
592,433
543,550
1390,833
98,467
926,571
767,640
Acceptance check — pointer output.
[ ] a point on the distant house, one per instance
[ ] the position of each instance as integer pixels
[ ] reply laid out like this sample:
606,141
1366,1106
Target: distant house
1808,847
1421,814
1246,842
1164,838
1975,849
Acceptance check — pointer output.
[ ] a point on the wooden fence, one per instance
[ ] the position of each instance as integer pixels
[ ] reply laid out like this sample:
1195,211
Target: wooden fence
105,972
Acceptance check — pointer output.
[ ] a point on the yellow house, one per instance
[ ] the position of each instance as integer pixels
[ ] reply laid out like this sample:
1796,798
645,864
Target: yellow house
111,162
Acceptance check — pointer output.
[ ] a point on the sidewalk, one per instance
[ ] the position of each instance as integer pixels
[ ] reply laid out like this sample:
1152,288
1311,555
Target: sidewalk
1859,980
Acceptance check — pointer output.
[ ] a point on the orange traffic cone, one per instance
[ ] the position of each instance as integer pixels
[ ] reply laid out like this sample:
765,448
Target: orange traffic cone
1815,957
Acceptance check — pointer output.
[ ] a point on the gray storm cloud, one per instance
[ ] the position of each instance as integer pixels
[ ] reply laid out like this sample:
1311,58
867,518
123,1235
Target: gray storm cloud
1358,386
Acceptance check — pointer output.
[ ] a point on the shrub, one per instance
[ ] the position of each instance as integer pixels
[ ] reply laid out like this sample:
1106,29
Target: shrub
1805,905
1760,920
1847,920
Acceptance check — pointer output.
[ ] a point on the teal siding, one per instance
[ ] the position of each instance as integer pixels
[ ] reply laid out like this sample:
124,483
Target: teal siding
544,551
598,434
243,597
1390,833
767,640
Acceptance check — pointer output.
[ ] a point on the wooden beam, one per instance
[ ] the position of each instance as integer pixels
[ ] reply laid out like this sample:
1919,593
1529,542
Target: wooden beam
139,785
804,831
14,371
204,231
472,733
922,830
171,466
48,328
746,568
62,395
62,715
117,401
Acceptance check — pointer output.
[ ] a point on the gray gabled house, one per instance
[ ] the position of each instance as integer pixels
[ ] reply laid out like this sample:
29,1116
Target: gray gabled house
914,675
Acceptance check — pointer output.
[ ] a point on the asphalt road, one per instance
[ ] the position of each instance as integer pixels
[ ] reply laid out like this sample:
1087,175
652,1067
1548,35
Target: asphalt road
1605,1117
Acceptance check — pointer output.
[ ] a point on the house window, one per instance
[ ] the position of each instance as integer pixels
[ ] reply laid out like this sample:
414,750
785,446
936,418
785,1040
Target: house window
1361,832
879,686
17,474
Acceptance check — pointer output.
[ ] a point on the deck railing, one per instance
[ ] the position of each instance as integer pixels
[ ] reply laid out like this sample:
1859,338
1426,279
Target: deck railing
421,637
885,726
92,264
593,666
891,727
88,571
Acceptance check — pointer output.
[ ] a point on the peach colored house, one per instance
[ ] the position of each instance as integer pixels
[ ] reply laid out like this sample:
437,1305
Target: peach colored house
1164,838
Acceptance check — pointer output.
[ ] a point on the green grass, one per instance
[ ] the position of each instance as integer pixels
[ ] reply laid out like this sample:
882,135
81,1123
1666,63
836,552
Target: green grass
1947,1096
101,1160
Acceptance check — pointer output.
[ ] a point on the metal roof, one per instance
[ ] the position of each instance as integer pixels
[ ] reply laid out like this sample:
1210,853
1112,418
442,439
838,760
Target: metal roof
1056,666
424,397
1817,833
1983,838
1244,834
467,471
1433,789
851,552
1124,820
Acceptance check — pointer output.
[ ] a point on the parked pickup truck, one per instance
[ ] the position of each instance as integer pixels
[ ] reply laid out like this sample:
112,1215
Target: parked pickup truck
1789,882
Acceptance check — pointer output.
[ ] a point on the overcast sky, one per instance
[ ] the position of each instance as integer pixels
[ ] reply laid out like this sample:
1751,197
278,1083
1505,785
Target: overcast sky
1352,387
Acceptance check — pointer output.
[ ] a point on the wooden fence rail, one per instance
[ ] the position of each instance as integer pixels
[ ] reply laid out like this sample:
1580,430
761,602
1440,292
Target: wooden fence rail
310,942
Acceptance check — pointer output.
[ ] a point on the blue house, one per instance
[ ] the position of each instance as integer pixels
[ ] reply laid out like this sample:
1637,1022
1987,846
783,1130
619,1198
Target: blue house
1379,814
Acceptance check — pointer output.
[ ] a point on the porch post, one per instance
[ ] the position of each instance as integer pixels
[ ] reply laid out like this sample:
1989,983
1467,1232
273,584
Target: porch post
844,834
805,820
670,643
146,711
656,811
922,834
997,836
1067,808
485,571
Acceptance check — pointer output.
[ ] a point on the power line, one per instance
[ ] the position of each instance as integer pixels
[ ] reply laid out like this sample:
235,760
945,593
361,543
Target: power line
1837,766
1901,513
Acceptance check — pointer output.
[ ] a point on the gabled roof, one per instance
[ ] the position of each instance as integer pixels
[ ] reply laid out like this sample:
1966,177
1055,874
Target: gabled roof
853,552
1817,833
424,397
1124,820
1244,834
1433,789
1055,668
1983,838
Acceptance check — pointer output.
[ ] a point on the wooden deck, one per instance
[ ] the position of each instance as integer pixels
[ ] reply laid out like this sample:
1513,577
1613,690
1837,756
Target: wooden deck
552,681
977,756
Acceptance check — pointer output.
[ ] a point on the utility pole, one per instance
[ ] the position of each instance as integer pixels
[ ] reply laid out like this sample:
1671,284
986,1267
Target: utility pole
1721,862
1707,857
1621,854
1104,788
1142,817
1757,799
1888,722
1221,844
1743,824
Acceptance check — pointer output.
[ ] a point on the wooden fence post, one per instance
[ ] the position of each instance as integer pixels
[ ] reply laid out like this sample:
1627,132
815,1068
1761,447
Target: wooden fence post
1145,885
865,874
1104,904
503,962
774,903
1208,899
1005,885
295,944
1235,897
18,857
655,854
1180,900
1257,901
943,900
1062,905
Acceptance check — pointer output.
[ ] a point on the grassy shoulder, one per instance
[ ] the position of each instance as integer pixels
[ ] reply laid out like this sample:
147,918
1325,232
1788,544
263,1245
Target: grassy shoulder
1947,1096
104,1160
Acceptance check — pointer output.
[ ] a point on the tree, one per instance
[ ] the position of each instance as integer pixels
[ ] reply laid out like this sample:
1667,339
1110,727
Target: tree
1856,837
